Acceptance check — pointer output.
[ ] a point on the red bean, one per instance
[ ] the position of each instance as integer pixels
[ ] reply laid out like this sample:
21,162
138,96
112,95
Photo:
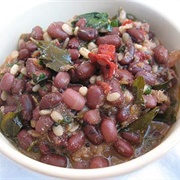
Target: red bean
45,89
149,77
108,130
37,33
123,115
44,147
27,104
87,33
115,87
129,53
24,54
95,97
43,124
29,87
73,43
7,109
115,30
21,44
92,116
135,67
73,99
60,141
131,137
7,82
18,86
50,100
110,39
81,22
161,54
123,148
31,46
31,66
85,70
12,100
61,80
54,159
136,35
150,101
36,113
74,53
76,141
55,31
98,162
124,75
93,134
24,139
83,164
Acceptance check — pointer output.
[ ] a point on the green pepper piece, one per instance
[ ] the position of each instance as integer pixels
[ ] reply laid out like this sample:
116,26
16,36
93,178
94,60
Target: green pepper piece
53,57
11,124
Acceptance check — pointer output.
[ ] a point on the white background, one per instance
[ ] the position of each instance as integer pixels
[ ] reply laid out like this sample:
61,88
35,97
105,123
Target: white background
166,168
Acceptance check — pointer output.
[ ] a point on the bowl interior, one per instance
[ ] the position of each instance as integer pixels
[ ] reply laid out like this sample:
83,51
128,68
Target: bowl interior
48,12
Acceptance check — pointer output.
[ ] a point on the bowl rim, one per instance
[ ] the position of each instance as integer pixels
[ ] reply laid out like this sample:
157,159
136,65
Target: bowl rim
119,169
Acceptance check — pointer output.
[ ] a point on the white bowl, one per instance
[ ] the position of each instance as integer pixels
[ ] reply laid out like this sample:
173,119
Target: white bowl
48,12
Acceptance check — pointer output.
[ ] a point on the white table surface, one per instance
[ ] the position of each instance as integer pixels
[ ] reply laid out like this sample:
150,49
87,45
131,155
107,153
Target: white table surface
165,168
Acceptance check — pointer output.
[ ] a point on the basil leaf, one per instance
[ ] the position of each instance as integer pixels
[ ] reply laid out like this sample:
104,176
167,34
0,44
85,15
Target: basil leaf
142,123
95,20
53,57
138,90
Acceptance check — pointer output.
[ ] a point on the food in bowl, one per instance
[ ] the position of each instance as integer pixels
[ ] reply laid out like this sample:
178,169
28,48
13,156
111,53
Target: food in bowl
91,92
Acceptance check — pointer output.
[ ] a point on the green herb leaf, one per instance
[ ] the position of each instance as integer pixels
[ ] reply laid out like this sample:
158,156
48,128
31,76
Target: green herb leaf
169,117
114,23
11,124
138,90
39,78
142,123
53,57
164,86
95,20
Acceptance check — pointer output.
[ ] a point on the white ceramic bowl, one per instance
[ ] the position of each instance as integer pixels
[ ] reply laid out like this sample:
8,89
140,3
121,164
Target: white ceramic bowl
48,12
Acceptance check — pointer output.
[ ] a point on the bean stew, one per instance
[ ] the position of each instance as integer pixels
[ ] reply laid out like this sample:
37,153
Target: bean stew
91,92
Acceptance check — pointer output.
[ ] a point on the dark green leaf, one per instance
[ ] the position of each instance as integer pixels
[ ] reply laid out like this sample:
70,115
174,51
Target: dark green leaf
53,57
138,90
169,117
95,20
164,86
11,124
114,23
142,123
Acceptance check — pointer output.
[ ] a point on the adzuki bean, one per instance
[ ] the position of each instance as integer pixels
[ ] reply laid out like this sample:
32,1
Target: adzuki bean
54,159
98,162
123,147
